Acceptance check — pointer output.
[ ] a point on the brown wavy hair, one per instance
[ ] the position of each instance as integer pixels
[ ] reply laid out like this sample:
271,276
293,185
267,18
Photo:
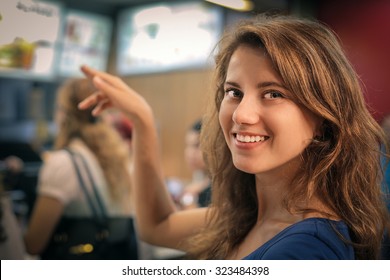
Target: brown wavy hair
341,167
103,140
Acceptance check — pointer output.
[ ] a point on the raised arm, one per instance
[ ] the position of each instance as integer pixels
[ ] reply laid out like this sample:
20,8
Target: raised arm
157,220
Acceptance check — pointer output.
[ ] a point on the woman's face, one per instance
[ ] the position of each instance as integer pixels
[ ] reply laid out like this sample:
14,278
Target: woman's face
264,129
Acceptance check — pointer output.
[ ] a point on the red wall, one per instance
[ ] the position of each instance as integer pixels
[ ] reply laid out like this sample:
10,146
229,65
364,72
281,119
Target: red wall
364,29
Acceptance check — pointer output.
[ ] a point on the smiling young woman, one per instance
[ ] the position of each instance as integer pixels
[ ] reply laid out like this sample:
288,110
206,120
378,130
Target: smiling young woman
288,181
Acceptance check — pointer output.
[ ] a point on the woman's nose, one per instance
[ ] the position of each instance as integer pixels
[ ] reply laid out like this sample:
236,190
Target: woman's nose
247,112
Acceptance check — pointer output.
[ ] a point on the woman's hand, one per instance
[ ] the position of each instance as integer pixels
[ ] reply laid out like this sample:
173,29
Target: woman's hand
113,92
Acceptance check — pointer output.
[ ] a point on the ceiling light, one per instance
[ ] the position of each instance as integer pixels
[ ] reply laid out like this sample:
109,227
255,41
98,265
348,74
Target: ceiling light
239,5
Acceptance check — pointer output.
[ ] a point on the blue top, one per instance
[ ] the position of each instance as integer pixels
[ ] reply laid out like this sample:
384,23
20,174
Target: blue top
386,180
309,239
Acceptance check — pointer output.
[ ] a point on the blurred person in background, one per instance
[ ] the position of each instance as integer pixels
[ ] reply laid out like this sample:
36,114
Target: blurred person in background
21,183
59,192
11,237
196,193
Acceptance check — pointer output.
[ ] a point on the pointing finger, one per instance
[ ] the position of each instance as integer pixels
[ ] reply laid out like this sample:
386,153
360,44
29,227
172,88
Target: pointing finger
88,71
91,100
100,107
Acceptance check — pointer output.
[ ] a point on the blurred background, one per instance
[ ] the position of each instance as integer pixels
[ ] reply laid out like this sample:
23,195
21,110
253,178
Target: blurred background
163,49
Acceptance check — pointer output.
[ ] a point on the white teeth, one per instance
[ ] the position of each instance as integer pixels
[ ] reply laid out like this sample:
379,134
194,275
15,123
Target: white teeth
249,139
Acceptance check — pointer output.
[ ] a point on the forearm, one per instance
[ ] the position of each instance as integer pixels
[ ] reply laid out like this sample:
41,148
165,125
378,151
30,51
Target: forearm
153,203
46,214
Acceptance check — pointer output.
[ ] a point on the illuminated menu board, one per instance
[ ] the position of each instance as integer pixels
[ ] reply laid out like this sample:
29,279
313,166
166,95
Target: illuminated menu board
167,36
29,32
86,40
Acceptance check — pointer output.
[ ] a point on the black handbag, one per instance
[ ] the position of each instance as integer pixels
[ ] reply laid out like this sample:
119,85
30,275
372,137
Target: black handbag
92,238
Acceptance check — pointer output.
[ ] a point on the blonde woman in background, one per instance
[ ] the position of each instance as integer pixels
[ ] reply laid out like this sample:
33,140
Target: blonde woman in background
59,192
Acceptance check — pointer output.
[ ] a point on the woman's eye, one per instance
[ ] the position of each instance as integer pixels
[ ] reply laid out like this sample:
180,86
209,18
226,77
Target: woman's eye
234,93
273,95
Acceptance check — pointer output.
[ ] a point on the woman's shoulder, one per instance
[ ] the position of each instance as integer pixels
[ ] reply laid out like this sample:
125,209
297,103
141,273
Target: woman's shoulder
57,177
310,239
53,160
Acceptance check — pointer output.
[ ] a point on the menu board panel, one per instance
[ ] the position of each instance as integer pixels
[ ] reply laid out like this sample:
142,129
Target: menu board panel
167,36
29,32
86,40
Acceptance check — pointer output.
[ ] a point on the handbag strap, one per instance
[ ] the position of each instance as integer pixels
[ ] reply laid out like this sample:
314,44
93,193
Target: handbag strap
94,188
103,216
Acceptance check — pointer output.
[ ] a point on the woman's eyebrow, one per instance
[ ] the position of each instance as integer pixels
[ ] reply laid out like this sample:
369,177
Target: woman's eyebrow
229,83
271,84
259,85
